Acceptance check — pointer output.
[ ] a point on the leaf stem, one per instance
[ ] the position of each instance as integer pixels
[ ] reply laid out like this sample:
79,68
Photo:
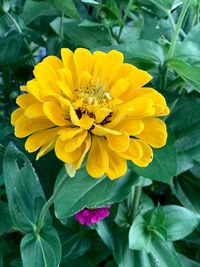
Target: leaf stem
21,33
173,42
136,202
124,19
49,203
178,28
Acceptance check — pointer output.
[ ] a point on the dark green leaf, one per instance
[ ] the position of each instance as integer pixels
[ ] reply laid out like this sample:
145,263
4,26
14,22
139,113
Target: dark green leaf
6,222
24,192
84,191
43,250
34,9
185,122
67,7
190,74
180,222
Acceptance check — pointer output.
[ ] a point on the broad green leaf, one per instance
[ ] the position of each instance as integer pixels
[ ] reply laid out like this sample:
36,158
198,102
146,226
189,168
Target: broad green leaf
164,166
76,34
187,262
139,236
159,7
187,190
33,9
67,7
6,222
180,222
84,191
188,73
164,254
43,250
10,48
92,257
184,120
24,192
74,244
105,233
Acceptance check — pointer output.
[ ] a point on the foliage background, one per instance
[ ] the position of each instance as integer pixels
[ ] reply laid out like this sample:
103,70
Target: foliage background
158,227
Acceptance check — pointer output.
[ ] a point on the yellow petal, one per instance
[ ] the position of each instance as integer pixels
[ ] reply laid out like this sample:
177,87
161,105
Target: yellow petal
36,140
139,108
26,100
16,114
68,157
46,148
103,131
131,126
54,113
84,79
86,147
34,88
106,67
83,60
34,111
86,122
68,60
65,89
25,127
134,150
118,143
75,142
69,133
97,161
46,76
147,156
117,166
154,133
118,88
66,77
54,62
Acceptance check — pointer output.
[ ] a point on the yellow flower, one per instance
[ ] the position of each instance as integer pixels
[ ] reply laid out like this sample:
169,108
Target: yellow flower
94,106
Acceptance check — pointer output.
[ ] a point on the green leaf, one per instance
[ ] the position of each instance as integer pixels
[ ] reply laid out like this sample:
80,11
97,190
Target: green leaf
84,191
186,130
77,35
74,244
187,262
43,250
33,9
6,222
187,190
10,48
139,236
159,7
105,233
164,254
190,74
24,192
180,222
164,166
67,7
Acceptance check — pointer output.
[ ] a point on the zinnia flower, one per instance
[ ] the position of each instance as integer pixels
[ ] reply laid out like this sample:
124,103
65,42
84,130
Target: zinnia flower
91,106
91,216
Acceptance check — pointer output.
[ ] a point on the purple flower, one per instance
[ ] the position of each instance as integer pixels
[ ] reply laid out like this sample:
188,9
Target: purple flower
91,216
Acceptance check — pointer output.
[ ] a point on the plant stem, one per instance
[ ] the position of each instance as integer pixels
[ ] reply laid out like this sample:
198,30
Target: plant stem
178,28
136,202
20,32
48,204
173,42
124,18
